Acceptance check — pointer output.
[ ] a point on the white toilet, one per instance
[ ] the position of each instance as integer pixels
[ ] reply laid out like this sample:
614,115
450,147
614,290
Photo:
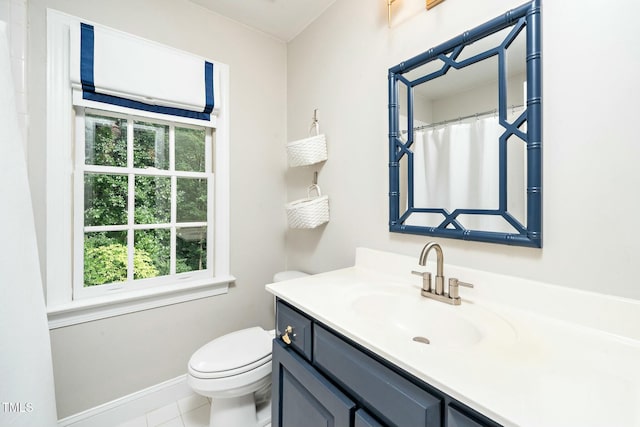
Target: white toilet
235,371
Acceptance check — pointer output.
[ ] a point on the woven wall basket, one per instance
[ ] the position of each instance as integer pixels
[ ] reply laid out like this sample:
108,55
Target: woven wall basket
307,151
309,212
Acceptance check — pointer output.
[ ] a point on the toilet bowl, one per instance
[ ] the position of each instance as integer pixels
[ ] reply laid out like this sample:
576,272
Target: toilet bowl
234,370
231,370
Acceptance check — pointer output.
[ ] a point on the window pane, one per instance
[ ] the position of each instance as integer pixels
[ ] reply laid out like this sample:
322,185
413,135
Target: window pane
153,200
152,253
190,149
105,141
191,200
105,258
105,199
191,249
150,145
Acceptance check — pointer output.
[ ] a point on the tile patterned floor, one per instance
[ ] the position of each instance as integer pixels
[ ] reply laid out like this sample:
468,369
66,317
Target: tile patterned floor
191,411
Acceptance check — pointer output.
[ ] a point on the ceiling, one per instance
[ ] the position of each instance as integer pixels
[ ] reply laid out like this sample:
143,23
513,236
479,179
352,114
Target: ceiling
283,19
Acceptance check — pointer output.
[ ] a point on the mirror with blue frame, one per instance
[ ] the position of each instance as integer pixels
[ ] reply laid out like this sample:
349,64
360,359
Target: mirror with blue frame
465,135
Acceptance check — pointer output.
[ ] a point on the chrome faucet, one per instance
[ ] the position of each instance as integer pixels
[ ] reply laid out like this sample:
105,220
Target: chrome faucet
440,265
437,293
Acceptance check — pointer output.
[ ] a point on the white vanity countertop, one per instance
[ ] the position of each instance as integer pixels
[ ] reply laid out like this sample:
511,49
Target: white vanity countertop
523,353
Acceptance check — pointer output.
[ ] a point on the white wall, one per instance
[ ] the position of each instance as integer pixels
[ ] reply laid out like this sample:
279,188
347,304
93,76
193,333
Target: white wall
99,361
14,13
590,65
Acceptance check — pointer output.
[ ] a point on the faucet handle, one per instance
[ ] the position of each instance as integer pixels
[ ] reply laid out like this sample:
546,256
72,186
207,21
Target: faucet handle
426,279
454,287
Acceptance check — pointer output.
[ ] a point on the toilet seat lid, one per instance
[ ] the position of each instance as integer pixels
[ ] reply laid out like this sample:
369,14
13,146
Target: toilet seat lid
233,353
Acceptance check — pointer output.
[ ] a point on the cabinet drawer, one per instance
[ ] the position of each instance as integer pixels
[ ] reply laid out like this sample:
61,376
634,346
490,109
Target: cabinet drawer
393,399
300,325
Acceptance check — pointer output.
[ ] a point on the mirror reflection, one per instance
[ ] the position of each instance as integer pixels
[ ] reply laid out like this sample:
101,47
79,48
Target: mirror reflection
459,136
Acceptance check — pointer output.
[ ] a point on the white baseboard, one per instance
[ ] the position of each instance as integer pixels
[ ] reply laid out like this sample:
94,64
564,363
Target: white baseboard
131,406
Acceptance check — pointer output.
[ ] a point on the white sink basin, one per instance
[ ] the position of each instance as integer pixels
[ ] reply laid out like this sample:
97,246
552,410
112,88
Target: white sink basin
429,322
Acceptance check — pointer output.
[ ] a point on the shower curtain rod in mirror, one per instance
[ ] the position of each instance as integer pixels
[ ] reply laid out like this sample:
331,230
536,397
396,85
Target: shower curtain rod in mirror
459,119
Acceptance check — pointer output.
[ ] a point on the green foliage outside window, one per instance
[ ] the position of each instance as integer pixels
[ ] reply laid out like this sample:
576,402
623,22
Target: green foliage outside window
106,141
191,249
190,150
108,264
106,201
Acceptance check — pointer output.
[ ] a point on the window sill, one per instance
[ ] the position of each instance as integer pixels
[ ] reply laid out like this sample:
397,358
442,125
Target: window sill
102,307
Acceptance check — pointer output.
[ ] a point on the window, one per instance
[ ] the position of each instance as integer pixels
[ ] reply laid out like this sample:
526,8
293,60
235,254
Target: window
143,203
137,201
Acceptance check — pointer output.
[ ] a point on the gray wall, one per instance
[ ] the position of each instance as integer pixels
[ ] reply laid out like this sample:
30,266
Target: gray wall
102,360
590,151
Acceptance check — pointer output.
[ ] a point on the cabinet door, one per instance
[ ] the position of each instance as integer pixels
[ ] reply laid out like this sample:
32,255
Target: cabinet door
301,396
364,419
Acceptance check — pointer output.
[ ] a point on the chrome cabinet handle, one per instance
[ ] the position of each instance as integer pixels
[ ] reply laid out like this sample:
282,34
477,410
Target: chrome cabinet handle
285,337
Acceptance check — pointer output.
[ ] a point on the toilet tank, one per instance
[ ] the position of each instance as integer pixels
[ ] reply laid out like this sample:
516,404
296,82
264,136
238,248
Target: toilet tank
288,275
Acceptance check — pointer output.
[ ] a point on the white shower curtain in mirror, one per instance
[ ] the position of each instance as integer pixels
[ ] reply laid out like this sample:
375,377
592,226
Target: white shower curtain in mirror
456,167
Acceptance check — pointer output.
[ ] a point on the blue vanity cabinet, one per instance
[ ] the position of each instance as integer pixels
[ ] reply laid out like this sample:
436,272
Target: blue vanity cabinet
334,381
457,418
303,397
363,419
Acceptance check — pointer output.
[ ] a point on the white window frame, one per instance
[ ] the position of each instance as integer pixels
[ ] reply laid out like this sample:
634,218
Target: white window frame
62,308
80,229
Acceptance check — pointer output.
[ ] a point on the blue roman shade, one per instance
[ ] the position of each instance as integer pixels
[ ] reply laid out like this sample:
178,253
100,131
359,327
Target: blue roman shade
118,71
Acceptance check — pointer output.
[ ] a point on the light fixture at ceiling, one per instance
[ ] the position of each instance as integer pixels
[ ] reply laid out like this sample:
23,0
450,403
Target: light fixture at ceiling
433,3
389,3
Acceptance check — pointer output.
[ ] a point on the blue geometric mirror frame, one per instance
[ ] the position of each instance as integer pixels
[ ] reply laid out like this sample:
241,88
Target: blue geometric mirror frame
525,17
